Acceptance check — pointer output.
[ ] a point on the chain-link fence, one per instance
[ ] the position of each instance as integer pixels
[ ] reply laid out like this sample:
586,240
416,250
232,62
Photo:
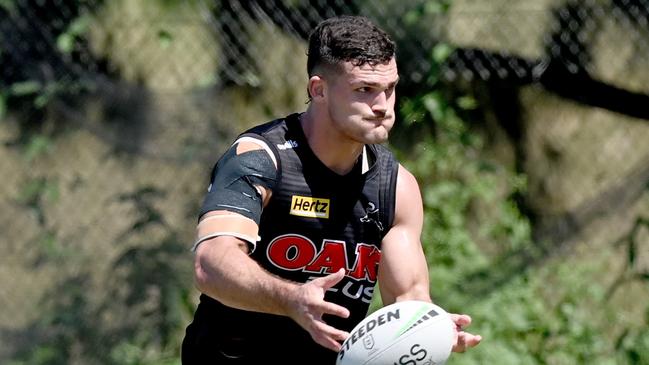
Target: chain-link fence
113,111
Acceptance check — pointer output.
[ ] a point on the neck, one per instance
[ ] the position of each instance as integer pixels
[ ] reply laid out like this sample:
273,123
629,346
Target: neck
335,151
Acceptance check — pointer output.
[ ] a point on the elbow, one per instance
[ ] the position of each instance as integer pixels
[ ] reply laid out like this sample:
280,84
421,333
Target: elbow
201,273
214,266
416,292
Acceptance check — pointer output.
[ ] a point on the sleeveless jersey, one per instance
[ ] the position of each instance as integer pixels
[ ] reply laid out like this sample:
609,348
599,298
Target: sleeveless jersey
315,223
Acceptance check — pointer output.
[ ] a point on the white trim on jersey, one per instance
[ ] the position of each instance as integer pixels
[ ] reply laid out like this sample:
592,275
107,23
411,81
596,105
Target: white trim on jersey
260,143
249,239
366,162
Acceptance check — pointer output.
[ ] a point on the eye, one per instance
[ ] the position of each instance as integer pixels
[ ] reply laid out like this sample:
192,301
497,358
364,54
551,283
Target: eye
363,89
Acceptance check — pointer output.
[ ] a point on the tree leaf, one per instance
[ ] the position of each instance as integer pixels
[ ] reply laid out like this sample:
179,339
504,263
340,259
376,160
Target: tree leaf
8,5
3,105
441,52
25,88
165,38
65,42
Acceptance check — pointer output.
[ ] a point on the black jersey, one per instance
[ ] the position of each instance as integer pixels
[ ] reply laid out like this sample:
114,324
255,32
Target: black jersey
315,223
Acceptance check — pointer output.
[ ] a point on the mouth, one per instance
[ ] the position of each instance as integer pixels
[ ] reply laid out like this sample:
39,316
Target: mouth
375,120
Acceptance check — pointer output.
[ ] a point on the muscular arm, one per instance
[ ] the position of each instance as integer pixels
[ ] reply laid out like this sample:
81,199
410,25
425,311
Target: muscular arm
224,271
403,271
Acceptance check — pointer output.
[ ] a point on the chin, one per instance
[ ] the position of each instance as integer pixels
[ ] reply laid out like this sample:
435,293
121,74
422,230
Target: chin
376,138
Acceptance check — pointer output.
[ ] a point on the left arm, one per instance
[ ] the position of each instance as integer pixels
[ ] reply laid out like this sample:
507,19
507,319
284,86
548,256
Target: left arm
403,270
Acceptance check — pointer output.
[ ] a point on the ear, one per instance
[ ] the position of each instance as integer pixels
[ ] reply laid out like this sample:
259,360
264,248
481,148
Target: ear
317,88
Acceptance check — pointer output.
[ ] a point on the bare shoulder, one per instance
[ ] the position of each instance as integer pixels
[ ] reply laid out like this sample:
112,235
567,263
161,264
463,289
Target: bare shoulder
409,205
405,178
407,184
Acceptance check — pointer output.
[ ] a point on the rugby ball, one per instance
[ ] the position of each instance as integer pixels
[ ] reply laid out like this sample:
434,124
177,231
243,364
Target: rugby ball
403,333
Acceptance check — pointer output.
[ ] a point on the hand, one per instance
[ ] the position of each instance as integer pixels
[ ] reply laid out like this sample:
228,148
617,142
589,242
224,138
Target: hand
463,340
308,306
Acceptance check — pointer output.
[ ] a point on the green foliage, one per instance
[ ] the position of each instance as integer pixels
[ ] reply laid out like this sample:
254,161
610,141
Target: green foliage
633,346
66,41
25,88
8,5
423,8
150,333
39,94
38,190
36,90
137,322
486,264
454,180
37,145
138,315
36,193
50,248
3,105
165,38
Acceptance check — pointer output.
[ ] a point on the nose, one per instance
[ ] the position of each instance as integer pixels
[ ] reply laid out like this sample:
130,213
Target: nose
380,105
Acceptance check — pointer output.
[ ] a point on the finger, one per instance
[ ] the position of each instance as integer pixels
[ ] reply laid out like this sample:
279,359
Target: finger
461,320
328,336
466,340
335,309
472,340
328,342
331,332
330,280
460,345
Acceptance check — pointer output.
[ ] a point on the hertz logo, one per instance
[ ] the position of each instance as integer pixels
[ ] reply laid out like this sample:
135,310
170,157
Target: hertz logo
306,206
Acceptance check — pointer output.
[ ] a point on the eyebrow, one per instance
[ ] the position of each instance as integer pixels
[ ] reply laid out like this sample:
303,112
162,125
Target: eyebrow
374,84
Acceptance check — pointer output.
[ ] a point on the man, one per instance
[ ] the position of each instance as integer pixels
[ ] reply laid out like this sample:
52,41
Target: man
305,213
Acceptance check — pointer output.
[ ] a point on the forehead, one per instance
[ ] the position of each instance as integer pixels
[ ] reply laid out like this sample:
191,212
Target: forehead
382,73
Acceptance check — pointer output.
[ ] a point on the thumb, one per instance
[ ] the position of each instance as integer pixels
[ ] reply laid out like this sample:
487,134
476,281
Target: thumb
330,280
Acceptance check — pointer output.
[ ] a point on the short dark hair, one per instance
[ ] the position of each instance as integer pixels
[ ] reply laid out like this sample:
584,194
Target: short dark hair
348,38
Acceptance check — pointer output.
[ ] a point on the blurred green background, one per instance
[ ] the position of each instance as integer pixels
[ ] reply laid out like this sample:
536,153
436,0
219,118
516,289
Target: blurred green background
525,122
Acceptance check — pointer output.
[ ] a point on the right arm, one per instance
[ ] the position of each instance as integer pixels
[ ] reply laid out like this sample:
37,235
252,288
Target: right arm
224,271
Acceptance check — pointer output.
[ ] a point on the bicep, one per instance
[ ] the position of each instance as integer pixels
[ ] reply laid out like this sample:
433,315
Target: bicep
403,271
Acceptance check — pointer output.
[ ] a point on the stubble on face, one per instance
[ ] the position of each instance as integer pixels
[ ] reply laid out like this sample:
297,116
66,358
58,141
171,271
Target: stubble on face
361,103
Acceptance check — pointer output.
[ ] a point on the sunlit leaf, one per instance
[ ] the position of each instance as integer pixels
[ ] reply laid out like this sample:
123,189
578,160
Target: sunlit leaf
65,42
441,52
434,7
79,26
3,105
41,100
36,146
165,38
25,88
411,17
467,102
8,5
